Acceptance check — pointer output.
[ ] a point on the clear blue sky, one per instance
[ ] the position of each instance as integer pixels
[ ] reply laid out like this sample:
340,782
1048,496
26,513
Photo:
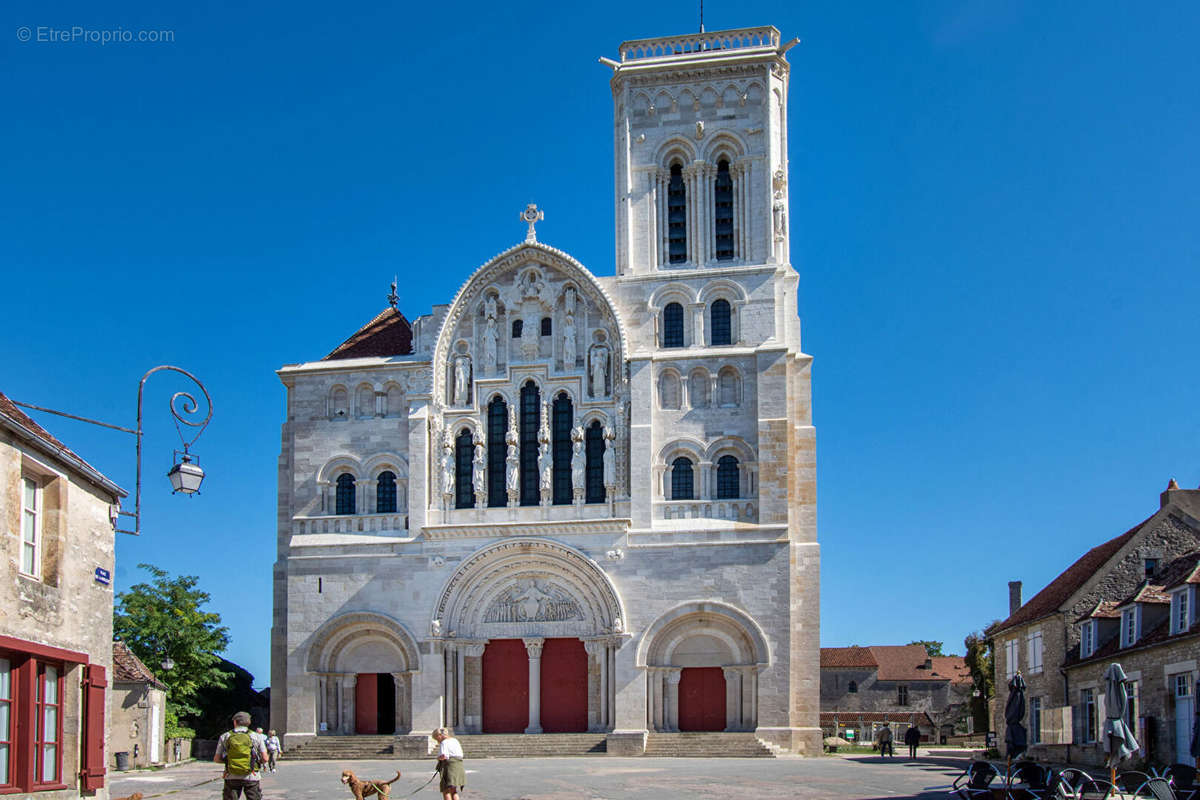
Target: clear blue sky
995,211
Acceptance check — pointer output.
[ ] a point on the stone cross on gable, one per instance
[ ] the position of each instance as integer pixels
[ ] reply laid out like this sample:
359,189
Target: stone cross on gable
532,215
393,298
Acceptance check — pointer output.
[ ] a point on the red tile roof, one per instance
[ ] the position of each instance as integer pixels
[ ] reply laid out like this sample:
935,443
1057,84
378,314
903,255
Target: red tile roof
847,657
954,667
1105,609
920,717
1059,590
129,668
1149,593
897,663
10,409
389,334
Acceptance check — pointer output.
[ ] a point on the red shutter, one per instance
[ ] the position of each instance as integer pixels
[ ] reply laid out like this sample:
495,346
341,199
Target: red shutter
93,765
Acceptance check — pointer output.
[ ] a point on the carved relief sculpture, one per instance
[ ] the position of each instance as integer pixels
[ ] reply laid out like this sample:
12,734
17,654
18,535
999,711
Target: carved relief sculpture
512,461
569,301
478,478
462,379
490,338
568,348
610,460
599,370
447,470
545,462
578,463
531,601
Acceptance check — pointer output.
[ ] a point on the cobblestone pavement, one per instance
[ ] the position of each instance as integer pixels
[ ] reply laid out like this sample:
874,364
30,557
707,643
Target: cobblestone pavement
592,778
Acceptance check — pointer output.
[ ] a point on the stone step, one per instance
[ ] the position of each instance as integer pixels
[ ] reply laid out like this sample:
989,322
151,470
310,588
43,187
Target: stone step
520,745
706,745
516,745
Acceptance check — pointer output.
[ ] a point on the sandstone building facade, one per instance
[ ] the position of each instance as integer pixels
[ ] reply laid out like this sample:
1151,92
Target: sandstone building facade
569,502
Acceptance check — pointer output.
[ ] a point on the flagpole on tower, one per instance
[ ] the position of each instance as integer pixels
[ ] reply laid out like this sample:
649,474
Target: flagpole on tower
702,16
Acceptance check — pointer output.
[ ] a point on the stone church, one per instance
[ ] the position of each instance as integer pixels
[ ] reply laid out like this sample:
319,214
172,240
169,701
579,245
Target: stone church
570,502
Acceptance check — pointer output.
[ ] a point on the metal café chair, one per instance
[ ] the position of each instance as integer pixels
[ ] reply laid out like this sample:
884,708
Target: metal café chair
1183,780
1159,789
1074,784
1033,779
975,782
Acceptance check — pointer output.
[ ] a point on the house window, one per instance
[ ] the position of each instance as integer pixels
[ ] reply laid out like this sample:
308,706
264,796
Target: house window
681,479
530,419
6,722
1183,686
594,445
722,330
1087,639
345,502
853,689
727,478
547,326
385,493
1150,567
1035,720
1180,610
464,450
1129,627
49,724
31,527
518,327
673,325
562,417
497,450
723,211
1087,699
1010,658
1035,652
1131,706
902,695
676,217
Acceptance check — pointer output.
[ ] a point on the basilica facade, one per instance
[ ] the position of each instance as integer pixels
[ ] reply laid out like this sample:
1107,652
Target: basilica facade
567,502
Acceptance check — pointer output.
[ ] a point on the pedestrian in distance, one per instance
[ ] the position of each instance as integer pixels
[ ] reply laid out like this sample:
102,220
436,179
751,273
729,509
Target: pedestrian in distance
912,738
274,748
243,753
450,764
884,739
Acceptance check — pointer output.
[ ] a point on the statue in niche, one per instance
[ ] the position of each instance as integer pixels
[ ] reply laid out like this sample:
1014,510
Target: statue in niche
599,370
490,337
569,301
447,469
618,626
531,331
462,379
610,458
478,478
779,205
489,307
545,462
435,628
512,474
568,348
578,463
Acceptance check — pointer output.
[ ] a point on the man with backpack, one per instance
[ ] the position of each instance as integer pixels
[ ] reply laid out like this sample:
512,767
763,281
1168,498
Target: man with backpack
242,752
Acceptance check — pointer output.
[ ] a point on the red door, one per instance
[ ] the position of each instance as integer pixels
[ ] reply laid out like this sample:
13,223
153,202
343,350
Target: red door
366,703
702,699
505,686
564,686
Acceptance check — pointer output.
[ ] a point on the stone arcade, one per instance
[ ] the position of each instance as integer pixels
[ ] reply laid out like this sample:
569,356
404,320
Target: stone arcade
564,502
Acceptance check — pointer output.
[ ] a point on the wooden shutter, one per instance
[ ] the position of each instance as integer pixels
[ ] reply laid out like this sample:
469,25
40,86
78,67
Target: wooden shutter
92,762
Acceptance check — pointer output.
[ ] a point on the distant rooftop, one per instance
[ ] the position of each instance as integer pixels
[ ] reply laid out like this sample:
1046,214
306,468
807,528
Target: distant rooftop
664,47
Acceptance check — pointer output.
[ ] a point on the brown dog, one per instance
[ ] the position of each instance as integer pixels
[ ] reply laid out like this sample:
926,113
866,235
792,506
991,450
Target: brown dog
362,788
134,796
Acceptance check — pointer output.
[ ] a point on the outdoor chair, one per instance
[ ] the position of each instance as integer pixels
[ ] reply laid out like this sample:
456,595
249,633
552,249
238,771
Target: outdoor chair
1183,781
1132,782
1159,789
975,782
1034,777
1075,783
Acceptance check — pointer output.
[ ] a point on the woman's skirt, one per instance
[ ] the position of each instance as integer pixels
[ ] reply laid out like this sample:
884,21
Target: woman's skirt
453,773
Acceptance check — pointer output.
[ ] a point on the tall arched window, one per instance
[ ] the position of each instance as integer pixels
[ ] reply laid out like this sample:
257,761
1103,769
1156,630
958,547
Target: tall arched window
497,450
723,211
722,330
682,486
594,445
728,486
464,450
530,417
517,328
345,494
385,493
676,217
547,326
563,415
673,325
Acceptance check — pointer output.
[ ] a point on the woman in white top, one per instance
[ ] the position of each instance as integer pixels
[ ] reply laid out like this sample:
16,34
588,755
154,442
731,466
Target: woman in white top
450,764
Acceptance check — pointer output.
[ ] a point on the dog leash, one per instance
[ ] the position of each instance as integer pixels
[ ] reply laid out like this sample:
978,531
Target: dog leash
180,789
436,772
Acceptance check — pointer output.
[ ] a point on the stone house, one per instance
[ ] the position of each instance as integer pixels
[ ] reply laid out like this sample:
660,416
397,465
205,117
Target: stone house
1039,638
863,687
56,606
570,502
139,704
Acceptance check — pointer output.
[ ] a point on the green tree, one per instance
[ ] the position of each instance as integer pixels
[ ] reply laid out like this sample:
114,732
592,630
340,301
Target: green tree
163,619
934,649
981,664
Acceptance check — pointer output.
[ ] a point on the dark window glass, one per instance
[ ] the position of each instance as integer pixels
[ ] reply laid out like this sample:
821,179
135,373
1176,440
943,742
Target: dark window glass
676,217
385,493
853,687
517,327
902,696
681,480
563,415
345,494
594,445
727,478
464,449
722,332
723,212
497,450
673,325
547,326
530,417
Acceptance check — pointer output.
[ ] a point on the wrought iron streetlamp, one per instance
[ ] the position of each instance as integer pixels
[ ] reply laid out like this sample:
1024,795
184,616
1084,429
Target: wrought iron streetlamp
185,475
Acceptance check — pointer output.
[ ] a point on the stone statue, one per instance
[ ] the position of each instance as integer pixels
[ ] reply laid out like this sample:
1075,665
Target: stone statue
512,473
462,379
578,462
546,472
569,301
610,458
599,370
618,625
779,204
435,628
447,470
568,349
490,338
478,478
489,307
531,331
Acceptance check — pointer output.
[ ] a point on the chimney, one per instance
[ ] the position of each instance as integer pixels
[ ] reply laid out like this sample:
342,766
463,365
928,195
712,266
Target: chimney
928,663
1165,497
1014,597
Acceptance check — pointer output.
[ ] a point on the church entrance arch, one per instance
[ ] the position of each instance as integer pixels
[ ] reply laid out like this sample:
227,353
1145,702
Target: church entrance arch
533,622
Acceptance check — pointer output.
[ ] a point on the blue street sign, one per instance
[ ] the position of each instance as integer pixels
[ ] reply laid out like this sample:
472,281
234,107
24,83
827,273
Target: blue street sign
103,576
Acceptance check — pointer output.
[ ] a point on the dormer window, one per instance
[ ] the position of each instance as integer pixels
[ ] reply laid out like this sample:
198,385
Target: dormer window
1181,610
1150,567
1087,639
1129,627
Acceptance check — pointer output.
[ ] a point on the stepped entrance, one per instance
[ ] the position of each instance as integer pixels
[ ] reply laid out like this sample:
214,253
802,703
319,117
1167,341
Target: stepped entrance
702,699
505,686
374,704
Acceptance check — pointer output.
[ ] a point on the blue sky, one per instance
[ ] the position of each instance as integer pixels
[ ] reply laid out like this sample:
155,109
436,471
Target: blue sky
994,218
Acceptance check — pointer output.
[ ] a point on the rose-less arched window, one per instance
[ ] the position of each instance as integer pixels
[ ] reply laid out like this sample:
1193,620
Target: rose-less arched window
345,494
676,217
385,493
681,479
722,330
723,211
673,325
727,478
464,449
562,416
497,450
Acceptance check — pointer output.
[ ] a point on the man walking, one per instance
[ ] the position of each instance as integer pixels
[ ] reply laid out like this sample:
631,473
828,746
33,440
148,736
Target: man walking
243,753
884,738
912,738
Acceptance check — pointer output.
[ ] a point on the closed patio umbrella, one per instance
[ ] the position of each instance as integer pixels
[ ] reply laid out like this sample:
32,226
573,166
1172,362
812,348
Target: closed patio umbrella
1119,741
1015,737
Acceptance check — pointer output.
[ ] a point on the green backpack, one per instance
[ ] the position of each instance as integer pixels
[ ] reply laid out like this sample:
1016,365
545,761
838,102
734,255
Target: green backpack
239,754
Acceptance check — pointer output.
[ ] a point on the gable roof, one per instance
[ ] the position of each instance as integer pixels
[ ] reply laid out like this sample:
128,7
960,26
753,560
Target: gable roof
1181,572
1059,590
847,657
897,663
388,334
128,668
1104,609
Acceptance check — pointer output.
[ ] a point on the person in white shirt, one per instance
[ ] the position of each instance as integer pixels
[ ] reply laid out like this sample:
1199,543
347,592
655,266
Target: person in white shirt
450,764
273,748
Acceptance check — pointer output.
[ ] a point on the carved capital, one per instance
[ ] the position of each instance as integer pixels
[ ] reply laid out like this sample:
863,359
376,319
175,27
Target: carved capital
534,646
673,674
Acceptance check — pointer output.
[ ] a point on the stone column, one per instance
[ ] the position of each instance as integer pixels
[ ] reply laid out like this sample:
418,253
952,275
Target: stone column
671,704
654,679
322,701
348,705
706,480
534,648
750,698
449,693
399,693
472,706
733,698
426,691
460,720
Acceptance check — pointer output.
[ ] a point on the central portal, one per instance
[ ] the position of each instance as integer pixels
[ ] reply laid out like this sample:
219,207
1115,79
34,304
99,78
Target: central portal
564,686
